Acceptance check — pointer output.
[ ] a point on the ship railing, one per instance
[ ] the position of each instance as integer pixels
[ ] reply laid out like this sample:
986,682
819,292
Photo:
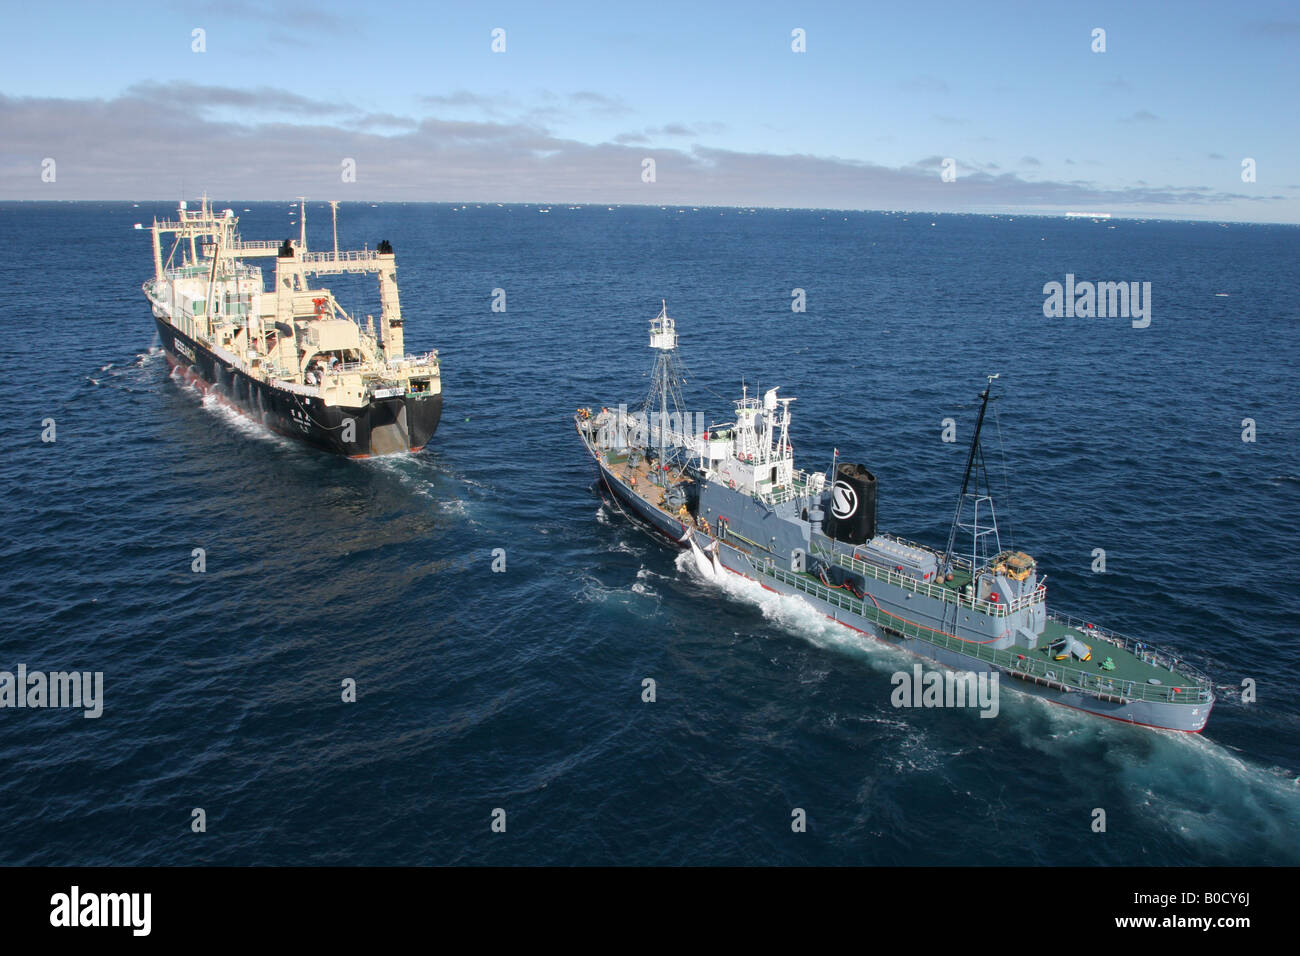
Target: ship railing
189,272
797,487
938,591
1051,673
347,255
1142,650
252,273
286,378
198,225
412,360
674,439
346,367
779,496
209,249
374,375
289,385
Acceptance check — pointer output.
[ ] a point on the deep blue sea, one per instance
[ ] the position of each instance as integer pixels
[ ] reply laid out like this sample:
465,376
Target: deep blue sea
521,690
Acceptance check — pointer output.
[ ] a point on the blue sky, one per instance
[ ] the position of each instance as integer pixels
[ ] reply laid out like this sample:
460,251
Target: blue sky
1158,124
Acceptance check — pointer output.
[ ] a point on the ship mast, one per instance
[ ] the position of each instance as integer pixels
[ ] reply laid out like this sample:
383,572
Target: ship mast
965,482
665,379
663,418
217,235
302,223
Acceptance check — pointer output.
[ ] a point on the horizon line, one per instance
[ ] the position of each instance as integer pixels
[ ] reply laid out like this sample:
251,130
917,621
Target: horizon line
1108,216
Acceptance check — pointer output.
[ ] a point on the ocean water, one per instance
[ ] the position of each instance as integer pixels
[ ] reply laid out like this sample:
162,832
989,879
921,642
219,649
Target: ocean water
521,690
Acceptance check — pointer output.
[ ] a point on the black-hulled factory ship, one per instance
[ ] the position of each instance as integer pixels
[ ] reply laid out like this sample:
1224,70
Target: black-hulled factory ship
291,357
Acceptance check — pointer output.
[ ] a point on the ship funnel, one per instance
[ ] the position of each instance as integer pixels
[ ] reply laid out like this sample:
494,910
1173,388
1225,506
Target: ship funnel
852,516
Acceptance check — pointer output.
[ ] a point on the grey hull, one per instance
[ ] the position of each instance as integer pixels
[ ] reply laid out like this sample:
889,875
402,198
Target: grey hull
757,525
1181,717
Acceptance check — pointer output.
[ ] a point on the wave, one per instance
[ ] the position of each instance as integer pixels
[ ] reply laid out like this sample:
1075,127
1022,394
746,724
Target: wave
796,615
219,408
1195,790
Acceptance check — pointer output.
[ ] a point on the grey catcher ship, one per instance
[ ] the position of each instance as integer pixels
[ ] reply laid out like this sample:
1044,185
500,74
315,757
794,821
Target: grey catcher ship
732,495
291,357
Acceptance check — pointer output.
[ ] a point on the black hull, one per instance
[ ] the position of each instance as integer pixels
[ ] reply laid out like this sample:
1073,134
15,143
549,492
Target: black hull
385,426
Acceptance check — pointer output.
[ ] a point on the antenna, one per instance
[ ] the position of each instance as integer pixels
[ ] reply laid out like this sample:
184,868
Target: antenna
302,223
965,481
334,210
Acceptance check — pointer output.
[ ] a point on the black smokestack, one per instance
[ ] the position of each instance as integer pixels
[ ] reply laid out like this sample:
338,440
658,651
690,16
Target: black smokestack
851,508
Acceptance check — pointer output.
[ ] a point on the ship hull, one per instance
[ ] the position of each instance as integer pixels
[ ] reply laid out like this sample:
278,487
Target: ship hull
1181,717
665,525
1165,716
401,424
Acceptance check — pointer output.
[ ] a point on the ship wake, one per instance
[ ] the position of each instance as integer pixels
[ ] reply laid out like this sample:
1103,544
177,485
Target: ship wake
789,612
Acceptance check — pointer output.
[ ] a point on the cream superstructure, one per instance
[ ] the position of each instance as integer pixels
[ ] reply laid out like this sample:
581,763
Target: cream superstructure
292,335
290,355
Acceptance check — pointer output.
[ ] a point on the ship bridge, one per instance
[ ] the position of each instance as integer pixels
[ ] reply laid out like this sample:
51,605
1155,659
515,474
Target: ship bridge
753,454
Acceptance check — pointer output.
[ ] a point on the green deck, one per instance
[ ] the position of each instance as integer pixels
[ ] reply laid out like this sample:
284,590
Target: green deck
1128,667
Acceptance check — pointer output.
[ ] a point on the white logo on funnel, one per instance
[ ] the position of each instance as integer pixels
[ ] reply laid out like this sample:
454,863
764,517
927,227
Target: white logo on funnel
844,500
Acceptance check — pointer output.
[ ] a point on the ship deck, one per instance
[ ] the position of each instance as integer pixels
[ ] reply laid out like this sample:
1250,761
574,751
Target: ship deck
645,486
1128,666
